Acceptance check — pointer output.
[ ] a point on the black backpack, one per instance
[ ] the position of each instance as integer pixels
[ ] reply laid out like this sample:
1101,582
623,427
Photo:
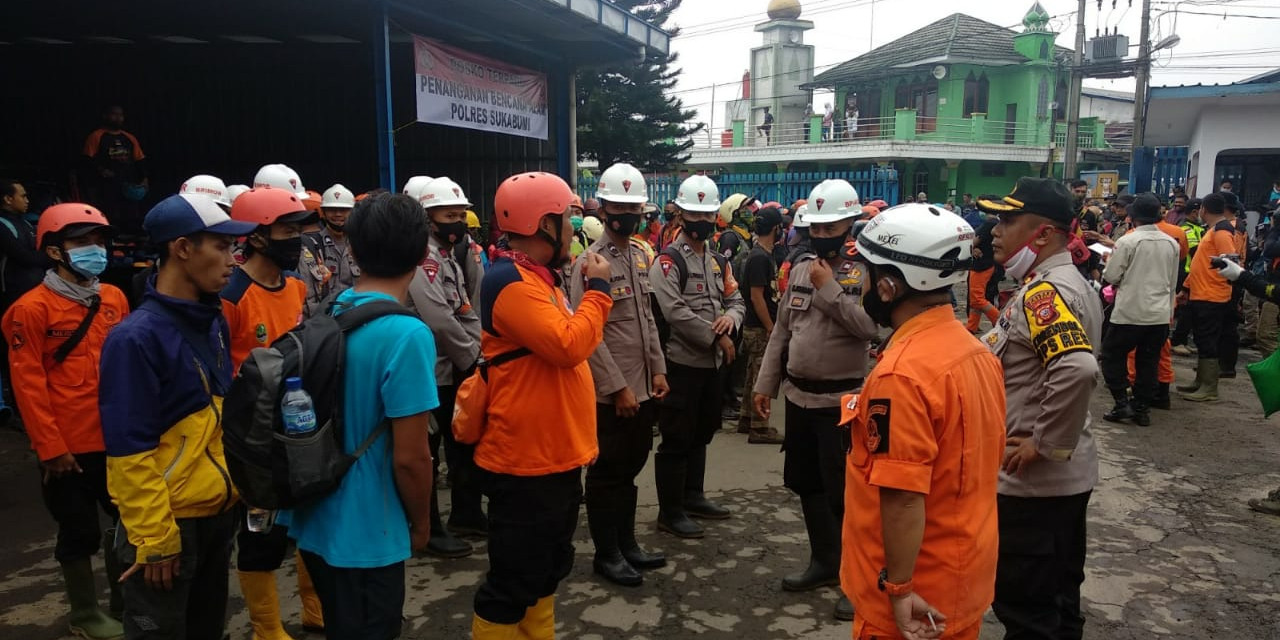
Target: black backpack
273,470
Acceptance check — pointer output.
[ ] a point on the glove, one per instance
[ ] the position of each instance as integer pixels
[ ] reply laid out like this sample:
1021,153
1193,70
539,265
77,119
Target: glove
1230,270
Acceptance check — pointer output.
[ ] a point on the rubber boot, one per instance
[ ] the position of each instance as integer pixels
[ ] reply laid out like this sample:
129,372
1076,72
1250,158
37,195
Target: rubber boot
765,435
1121,411
669,476
1141,414
539,621
602,521
1161,401
844,609
443,544
824,547
1208,391
482,629
1195,385
312,613
259,590
86,620
112,562
626,522
696,503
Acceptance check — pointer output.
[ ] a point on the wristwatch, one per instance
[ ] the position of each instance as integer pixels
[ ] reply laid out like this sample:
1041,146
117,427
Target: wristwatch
896,590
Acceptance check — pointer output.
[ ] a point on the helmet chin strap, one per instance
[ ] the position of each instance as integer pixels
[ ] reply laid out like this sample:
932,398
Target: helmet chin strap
557,243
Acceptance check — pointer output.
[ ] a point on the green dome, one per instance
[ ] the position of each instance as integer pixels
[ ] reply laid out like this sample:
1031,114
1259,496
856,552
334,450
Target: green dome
1037,19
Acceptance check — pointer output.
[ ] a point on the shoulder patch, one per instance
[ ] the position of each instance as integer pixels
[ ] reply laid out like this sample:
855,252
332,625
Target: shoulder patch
431,268
878,417
666,263
1055,330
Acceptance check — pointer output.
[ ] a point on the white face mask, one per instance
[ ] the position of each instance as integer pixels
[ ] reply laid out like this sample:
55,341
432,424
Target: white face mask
1020,263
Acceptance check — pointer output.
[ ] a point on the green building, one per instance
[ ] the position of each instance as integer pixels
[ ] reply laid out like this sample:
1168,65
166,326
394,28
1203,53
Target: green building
959,106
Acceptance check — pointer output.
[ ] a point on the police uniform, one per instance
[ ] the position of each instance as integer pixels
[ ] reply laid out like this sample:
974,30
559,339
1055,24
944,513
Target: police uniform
438,293
468,256
1045,339
629,357
689,417
327,268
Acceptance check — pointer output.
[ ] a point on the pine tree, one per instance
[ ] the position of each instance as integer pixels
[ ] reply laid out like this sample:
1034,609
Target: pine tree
623,112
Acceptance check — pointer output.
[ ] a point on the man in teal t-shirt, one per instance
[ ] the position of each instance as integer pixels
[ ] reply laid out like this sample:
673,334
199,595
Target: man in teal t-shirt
355,541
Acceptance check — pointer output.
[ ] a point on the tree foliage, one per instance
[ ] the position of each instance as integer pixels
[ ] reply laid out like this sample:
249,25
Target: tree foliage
624,114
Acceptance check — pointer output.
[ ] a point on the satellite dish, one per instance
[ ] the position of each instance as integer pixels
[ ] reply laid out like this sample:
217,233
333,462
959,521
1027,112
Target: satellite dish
939,72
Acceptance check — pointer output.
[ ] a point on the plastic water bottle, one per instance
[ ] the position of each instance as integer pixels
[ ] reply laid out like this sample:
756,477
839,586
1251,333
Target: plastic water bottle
296,409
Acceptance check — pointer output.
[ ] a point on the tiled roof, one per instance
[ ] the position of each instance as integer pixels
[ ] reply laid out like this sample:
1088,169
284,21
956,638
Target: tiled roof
955,38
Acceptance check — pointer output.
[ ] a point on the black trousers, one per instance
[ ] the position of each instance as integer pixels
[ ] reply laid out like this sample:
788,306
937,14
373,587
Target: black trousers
1212,319
531,524
1041,566
196,607
1148,340
73,500
690,415
358,603
1185,317
814,448
1229,344
464,489
624,449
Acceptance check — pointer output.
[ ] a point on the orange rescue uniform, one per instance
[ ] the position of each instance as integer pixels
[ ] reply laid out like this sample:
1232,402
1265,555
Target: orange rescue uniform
257,315
930,420
59,401
1205,282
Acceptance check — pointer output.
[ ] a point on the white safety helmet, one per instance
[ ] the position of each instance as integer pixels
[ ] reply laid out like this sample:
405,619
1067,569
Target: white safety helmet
236,190
931,246
832,201
443,192
413,186
698,193
207,185
622,183
280,176
592,227
801,221
337,197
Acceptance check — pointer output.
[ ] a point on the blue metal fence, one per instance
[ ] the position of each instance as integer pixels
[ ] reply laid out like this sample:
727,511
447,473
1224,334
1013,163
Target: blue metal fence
1170,169
786,188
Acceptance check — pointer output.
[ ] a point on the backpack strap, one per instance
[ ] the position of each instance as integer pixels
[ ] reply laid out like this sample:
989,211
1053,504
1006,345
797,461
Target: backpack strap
74,340
501,358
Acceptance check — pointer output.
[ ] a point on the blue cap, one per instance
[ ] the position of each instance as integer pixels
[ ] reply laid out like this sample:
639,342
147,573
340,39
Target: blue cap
185,214
293,383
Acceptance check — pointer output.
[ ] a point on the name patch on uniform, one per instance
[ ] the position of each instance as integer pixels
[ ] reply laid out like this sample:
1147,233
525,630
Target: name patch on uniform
1055,330
878,414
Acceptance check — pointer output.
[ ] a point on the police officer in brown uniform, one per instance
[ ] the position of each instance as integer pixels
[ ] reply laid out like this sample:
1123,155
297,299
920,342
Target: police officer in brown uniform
817,353
700,301
1044,338
327,266
630,377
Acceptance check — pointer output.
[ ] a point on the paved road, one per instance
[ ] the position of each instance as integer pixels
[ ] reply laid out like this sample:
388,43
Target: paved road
1173,550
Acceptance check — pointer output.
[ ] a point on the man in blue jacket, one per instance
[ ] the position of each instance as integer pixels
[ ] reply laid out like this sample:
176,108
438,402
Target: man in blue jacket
165,370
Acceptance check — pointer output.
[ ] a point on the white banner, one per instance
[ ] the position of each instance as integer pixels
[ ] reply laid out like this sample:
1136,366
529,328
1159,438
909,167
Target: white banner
460,89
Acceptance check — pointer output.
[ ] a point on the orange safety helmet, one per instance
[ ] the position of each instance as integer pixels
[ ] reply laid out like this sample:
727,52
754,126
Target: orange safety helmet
577,203
523,199
60,217
313,200
266,205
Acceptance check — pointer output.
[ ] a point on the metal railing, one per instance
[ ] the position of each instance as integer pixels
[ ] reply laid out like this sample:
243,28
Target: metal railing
900,127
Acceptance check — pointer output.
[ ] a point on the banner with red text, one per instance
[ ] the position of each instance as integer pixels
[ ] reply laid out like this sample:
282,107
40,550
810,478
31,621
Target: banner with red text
460,89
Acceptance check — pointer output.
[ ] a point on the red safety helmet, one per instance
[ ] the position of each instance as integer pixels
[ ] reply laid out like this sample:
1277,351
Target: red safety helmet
267,205
523,199
313,200
70,220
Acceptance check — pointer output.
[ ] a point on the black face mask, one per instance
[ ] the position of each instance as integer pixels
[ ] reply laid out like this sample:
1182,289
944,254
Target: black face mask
700,230
826,248
879,310
624,223
335,227
450,232
285,253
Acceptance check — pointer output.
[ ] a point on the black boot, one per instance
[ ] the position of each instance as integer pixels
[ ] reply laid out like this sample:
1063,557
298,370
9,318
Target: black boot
443,544
1122,411
1161,400
602,521
626,522
1141,415
844,609
668,475
824,547
696,503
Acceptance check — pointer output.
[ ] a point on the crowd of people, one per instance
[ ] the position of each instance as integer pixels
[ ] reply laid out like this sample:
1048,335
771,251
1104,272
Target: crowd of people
940,470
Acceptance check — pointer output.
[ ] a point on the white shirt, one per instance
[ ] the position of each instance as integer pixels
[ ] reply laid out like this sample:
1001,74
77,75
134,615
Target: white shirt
1144,269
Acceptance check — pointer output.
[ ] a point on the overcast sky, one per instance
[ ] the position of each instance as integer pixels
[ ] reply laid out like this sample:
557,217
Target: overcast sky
718,36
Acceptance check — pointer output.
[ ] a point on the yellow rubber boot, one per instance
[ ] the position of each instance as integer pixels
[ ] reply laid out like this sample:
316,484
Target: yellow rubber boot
312,614
482,629
259,589
540,621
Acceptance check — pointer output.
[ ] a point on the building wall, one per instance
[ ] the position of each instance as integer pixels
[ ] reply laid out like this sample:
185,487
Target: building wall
1222,129
1106,109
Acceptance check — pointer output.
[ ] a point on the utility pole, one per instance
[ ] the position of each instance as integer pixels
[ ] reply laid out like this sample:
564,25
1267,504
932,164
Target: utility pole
1143,76
1073,100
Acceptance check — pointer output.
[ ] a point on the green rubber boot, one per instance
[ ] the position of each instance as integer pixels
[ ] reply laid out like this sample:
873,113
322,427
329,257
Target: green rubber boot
1208,391
86,619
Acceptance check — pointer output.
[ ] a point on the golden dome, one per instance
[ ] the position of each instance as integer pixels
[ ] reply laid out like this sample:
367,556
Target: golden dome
784,9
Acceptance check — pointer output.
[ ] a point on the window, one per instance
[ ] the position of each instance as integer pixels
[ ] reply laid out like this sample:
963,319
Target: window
993,169
1060,97
921,184
921,95
976,91
1042,99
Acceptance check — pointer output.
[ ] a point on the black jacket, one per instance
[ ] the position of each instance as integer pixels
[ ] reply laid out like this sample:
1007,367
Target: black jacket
22,267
